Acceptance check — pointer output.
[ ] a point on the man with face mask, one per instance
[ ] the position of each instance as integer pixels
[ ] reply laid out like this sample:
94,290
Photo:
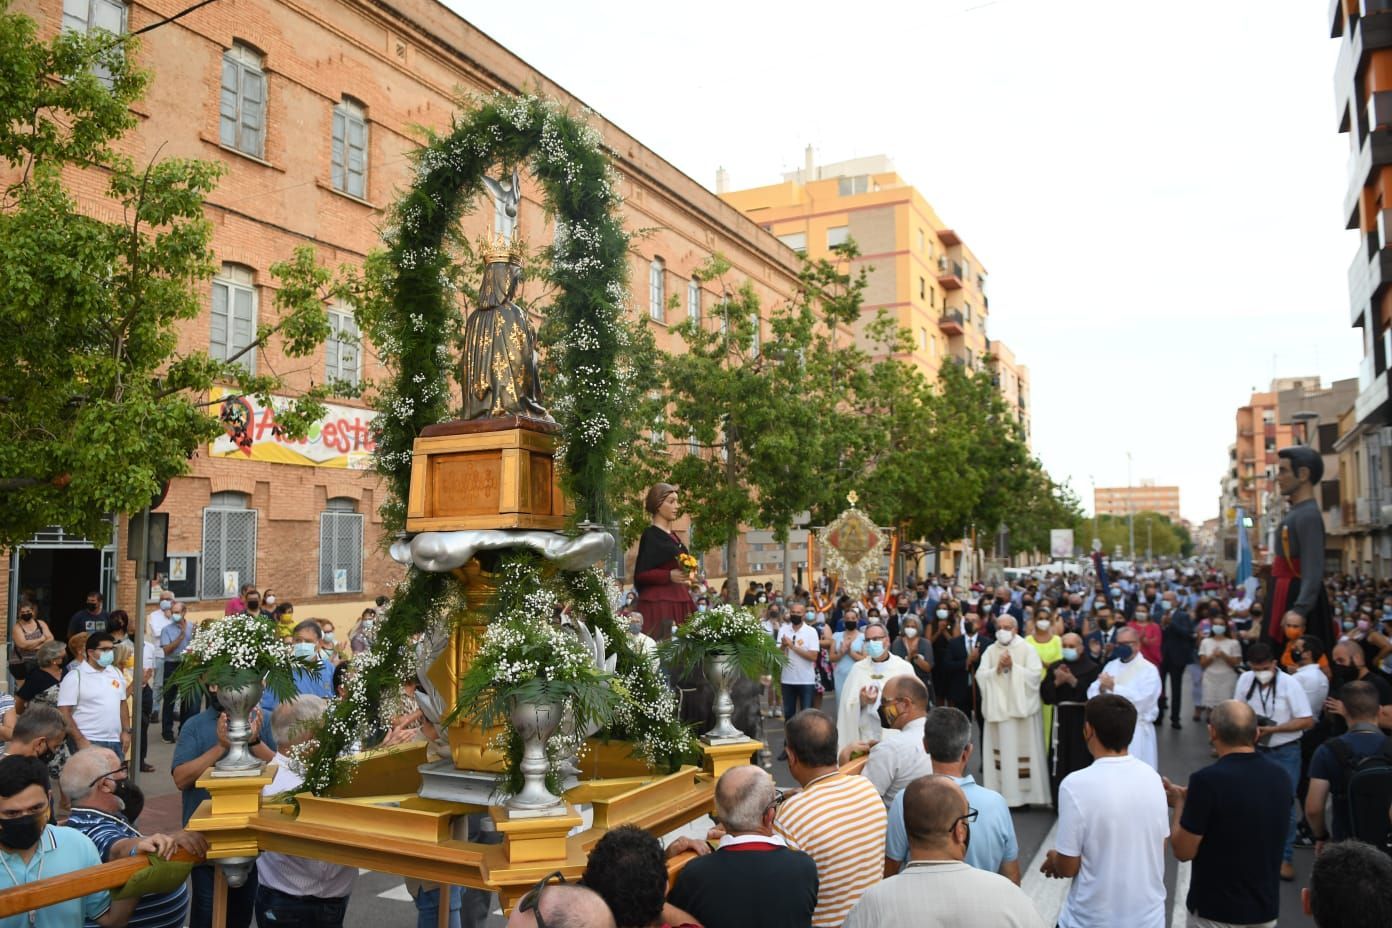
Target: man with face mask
95,783
1013,739
1349,666
857,717
937,819
1065,687
308,644
641,642
899,758
174,641
1283,712
1137,680
93,698
41,732
32,849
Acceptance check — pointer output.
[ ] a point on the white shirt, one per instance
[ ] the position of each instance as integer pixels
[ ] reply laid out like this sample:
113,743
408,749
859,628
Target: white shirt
157,622
644,646
897,760
1113,815
299,876
1283,701
96,697
1316,686
799,670
151,655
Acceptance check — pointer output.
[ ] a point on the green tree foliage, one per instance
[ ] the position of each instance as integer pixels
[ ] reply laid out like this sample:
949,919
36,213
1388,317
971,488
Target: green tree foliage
1167,538
98,404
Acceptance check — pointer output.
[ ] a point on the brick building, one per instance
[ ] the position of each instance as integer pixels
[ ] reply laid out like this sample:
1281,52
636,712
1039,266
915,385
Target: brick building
311,108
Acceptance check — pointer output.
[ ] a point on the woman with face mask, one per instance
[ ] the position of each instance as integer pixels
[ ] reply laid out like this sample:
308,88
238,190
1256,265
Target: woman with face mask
917,650
848,646
1049,645
1219,655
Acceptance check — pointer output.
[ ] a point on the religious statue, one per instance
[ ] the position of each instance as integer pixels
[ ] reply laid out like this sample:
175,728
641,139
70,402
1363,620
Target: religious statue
499,376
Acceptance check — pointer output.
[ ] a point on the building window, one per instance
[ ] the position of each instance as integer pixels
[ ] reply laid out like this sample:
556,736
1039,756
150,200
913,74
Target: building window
966,313
657,434
242,104
838,235
922,241
229,546
923,340
758,335
84,16
340,547
657,289
343,360
797,241
922,288
849,186
350,149
234,317
693,299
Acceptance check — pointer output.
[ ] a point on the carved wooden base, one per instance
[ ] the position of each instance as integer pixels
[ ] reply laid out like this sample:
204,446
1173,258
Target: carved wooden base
477,475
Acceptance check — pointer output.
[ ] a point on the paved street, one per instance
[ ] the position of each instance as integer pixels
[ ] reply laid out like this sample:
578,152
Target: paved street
381,899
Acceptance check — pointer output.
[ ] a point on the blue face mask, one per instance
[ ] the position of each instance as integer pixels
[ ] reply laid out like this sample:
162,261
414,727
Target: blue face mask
106,657
1070,654
1123,652
874,648
304,649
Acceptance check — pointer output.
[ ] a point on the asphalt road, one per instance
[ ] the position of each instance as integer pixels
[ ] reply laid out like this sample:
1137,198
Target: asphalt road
381,899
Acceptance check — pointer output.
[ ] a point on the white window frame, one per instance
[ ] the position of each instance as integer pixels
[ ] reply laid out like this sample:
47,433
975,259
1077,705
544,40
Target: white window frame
216,518
334,552
242,101
693,299
343,356
797,241
349,119
657,290
838,235
233,282
85,16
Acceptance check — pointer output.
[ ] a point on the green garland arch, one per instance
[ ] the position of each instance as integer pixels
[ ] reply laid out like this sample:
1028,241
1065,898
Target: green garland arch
589,390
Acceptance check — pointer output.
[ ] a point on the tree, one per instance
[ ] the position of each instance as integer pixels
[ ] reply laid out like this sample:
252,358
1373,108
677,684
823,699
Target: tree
98,405
1166,538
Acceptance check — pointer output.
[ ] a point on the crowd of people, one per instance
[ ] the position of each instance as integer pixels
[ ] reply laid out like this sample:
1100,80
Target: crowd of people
1055,682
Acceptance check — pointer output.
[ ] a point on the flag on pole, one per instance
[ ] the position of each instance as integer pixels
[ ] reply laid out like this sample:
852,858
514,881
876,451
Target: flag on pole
1102,578
1244,548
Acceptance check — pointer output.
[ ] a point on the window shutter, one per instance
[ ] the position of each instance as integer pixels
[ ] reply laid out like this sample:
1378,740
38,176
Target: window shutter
332,356
227,104
348,348
243,326
109,16
340,548
339,136
217,339
253,103
357,157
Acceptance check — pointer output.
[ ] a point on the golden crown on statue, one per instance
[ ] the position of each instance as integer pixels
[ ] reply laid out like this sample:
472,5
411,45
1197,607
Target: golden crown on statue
507,248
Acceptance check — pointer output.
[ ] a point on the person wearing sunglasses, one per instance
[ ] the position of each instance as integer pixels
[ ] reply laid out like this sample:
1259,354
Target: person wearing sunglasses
552,899
939,819
96,784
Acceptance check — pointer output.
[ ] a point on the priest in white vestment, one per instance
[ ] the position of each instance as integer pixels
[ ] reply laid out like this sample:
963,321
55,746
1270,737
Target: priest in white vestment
1130,675
858,709
1013,757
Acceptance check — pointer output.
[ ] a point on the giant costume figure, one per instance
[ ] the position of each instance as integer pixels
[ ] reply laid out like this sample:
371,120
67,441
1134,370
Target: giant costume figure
1296,583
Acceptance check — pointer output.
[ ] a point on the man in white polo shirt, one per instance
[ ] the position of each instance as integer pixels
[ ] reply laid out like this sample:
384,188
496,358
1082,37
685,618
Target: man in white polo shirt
1283,712
93,699
899,757
1113,822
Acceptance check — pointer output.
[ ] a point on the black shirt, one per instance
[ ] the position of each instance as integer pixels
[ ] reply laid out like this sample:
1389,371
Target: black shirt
84,621
740,887
1337,723
1240,805
37,682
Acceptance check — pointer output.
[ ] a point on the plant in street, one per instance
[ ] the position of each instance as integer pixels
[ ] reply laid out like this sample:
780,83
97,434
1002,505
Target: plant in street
236,651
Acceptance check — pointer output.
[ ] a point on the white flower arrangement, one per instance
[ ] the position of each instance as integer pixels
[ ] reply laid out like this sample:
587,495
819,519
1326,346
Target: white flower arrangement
238,650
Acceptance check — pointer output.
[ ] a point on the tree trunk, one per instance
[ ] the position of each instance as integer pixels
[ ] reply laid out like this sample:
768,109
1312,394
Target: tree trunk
731,529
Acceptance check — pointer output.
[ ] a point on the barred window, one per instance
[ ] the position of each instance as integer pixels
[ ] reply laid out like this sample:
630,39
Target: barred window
350,149
340,547
234,316
242,101
342,359
229,546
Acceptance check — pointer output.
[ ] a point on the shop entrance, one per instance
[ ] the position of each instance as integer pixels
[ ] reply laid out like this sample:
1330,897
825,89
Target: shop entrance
58,572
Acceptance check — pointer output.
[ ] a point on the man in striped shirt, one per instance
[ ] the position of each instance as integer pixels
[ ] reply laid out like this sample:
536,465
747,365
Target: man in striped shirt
94,780
839,821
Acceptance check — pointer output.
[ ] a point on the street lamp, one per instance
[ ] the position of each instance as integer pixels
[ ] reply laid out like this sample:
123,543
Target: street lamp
1130,509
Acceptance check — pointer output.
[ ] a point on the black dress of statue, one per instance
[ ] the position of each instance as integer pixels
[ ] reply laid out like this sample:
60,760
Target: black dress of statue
500,359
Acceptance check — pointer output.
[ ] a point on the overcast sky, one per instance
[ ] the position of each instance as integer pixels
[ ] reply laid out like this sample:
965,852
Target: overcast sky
1155,188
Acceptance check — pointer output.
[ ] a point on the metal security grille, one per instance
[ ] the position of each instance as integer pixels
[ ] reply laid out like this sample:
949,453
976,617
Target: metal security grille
229,551
340,552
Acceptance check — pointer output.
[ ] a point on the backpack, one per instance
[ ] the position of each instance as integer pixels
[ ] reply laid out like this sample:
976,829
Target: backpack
1368,792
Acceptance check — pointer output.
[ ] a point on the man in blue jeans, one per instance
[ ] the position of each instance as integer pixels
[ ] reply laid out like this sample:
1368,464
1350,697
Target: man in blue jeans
799,642
1283,712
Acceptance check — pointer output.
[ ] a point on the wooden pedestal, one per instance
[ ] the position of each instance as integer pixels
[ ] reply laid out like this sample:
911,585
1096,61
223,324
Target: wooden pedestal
485,474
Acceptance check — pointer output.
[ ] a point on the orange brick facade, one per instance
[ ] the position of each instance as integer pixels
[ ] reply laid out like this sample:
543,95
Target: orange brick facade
401,62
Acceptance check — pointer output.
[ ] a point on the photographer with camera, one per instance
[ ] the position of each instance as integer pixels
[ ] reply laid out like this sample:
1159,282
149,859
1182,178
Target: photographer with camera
1283,712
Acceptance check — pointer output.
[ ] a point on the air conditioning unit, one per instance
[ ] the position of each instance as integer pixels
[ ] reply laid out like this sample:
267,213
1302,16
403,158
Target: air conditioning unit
1385,436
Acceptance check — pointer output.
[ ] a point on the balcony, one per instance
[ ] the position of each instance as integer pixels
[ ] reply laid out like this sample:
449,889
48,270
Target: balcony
1370,272
950,274
1371,32
949,238
1374,152
951,322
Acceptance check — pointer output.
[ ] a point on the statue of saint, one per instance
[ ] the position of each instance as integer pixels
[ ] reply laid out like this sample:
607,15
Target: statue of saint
499,375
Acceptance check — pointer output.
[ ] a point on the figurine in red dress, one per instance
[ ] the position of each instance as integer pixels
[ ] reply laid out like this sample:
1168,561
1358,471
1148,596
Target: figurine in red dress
664,596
